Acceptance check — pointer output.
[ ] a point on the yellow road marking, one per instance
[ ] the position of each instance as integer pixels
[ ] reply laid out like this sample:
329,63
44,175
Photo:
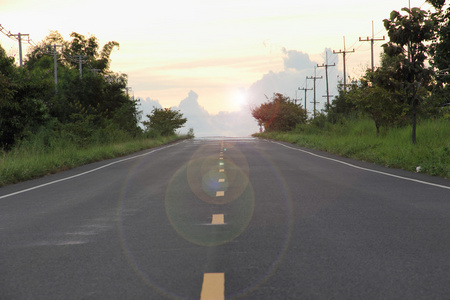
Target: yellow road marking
220,193
221,158
222,180
213,286
218,219
221,170
221,163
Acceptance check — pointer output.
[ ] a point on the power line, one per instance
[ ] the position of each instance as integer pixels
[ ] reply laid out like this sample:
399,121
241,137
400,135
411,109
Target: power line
343,55
305,89
371,40
314,79
80,62
18,37
55,65
326,65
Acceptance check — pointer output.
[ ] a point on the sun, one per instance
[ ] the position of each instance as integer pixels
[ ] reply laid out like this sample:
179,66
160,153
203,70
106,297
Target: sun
239,98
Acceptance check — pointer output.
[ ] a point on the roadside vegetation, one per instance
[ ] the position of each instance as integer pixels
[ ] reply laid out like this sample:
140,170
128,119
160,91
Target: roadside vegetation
357,139
64,108
397,115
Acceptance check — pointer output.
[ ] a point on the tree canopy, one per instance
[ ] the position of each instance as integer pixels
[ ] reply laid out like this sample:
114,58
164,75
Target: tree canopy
165,121
412,79
82,101
279,114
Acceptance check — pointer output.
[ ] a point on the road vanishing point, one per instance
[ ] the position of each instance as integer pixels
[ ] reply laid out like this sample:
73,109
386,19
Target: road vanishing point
226,218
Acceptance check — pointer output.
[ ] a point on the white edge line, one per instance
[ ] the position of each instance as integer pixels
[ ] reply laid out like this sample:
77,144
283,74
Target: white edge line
365,169
87,172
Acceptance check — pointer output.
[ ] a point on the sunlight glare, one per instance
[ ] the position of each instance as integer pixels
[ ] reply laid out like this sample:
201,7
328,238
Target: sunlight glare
239,98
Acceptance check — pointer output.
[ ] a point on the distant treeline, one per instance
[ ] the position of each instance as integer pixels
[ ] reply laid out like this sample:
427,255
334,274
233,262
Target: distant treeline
81,100
412,82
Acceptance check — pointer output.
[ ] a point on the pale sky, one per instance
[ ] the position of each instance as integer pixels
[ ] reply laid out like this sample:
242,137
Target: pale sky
221,50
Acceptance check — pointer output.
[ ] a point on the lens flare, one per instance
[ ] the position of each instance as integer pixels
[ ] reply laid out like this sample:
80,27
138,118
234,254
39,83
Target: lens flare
192,218
191,202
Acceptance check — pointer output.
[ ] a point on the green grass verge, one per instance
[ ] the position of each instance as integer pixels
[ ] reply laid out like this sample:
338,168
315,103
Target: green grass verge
393,148
28,162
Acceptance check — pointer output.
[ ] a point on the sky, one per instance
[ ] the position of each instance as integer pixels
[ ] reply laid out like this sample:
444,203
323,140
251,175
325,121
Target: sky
214,60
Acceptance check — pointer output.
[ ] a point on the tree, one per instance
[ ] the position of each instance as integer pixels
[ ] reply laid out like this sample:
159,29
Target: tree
279,114
165,121
379,94
441,59
408,36
341,107
377,102
22,107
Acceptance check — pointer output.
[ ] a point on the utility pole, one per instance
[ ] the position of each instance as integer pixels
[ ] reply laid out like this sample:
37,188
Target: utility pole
55,66
314,79
371,40
128,88
326,65
17,37
305,89
343,54
295,97
80,61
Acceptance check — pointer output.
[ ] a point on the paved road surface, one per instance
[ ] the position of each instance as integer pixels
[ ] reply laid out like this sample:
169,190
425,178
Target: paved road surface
240,218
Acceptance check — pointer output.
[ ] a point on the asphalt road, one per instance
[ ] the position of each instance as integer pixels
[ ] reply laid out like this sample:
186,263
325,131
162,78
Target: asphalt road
223,217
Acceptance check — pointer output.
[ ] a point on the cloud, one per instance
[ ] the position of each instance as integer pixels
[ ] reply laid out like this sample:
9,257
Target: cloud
239,123
296,60
297,66
147,106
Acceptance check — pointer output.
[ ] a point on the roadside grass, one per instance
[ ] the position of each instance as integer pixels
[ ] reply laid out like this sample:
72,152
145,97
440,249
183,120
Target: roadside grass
34,159
392,148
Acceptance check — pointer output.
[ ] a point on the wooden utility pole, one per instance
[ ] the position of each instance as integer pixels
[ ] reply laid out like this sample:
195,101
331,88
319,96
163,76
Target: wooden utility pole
371,40
80,62
326,65
17,37
55,59
314,79
305,89
343,55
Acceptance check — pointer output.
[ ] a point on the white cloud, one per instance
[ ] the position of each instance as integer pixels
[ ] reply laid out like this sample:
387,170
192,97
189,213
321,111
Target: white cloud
147,106
297,66
239,123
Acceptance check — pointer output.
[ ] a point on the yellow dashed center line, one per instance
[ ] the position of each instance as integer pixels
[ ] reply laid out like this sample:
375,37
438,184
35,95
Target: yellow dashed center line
213,286
218,219
222,180
221,170
220,193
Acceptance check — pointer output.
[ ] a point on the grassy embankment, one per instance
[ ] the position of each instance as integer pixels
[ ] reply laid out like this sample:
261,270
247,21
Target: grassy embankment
392,148
32,159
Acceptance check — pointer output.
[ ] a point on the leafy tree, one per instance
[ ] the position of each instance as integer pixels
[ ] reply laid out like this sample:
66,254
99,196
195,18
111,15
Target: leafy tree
22,109
100,91
441,60
340,108
165,121
409,35
82,106
89,48
279,114
380,104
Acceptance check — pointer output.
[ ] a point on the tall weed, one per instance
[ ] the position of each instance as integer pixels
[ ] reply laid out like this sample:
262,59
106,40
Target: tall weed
50,151
358,139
